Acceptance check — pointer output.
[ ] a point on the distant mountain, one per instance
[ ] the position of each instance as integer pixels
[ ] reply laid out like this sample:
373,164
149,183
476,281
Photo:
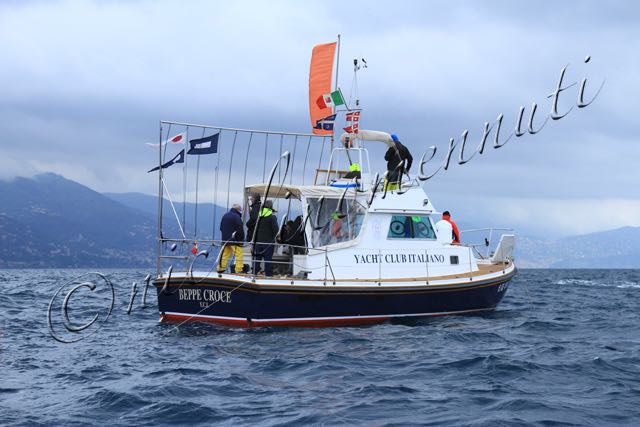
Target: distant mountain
142,202
50,221
619,248
204,216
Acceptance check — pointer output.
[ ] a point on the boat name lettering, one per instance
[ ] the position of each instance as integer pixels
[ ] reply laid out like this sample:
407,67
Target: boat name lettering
398,258
208,295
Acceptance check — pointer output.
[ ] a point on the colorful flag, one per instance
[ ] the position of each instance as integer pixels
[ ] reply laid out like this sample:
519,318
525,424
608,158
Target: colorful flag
336,97
353,117
178,139
207,145
324,101
326,123
320,75
332,99
352,129
179,158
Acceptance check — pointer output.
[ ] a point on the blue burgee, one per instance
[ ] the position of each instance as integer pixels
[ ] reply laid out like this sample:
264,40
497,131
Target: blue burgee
326,123
179,158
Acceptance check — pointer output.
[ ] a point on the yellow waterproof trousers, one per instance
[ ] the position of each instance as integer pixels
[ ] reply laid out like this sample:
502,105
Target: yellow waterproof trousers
228,250
390,186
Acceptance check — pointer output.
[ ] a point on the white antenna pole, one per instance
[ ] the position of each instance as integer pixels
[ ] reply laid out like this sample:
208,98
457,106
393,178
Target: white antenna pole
354,85
337,63
336,82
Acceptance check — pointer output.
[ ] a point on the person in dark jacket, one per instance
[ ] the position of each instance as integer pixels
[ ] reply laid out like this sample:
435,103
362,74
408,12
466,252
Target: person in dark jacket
266,232
298,238
233,236
286,233
396,156
254,212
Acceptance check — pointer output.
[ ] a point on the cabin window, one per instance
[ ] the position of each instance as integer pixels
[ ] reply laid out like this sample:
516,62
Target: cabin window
410,227
330,224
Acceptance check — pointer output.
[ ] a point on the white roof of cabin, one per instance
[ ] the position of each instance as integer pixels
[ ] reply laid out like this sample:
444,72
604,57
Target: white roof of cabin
308,191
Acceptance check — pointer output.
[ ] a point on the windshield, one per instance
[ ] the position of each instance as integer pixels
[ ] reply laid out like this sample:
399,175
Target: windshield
330,224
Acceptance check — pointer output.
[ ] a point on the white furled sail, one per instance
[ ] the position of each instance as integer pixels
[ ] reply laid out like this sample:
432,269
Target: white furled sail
367,135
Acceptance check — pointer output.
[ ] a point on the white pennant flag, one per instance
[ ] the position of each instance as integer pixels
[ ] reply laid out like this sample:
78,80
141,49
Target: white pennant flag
178,139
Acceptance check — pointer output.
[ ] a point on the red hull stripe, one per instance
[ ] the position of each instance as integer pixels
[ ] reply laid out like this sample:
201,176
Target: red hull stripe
308,321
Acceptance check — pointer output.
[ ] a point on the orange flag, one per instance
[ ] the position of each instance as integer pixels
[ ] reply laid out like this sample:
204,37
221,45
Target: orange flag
320,74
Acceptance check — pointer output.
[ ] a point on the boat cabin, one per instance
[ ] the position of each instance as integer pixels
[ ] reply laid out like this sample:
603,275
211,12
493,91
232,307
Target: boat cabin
352,228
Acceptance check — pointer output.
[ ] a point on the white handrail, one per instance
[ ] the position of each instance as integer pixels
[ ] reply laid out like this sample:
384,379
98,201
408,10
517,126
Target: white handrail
240,130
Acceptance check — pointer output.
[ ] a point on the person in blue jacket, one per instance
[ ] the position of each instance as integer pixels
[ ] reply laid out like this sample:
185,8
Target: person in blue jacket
233,235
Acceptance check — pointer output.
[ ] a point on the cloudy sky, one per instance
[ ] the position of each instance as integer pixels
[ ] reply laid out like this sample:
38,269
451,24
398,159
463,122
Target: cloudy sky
85,83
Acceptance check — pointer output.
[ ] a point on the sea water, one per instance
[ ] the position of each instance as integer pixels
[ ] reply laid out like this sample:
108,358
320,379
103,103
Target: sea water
563,348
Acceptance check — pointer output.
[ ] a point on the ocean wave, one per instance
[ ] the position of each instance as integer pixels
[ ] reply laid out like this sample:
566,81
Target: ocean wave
620,284
559,350
585,282
628,285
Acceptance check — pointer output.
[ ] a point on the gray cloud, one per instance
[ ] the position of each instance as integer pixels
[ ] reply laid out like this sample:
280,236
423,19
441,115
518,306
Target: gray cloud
85,84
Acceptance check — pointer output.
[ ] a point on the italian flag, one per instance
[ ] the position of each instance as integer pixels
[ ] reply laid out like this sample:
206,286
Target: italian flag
329,100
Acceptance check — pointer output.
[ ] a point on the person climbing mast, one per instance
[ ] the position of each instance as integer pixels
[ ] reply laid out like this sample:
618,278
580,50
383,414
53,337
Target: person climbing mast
396,156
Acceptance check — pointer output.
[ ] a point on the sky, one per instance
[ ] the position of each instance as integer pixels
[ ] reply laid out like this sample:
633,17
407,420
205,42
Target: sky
85,84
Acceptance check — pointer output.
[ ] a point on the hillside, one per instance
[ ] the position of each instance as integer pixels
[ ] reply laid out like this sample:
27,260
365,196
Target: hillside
619,248
188,214
50,221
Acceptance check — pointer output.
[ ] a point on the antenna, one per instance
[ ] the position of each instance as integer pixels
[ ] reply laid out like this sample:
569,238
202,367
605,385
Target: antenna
357,65
336,86
337,63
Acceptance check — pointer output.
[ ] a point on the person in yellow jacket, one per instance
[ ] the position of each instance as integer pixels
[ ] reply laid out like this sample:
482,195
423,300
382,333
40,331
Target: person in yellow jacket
354,171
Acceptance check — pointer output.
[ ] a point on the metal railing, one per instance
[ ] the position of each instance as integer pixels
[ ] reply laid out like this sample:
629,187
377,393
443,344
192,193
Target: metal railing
327,267
488,242
223,174
216,247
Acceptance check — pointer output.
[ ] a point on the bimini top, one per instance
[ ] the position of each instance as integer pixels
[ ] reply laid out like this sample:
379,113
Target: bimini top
307,191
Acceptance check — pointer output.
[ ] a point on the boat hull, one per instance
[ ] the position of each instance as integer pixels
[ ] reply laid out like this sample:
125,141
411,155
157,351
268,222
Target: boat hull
245,303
